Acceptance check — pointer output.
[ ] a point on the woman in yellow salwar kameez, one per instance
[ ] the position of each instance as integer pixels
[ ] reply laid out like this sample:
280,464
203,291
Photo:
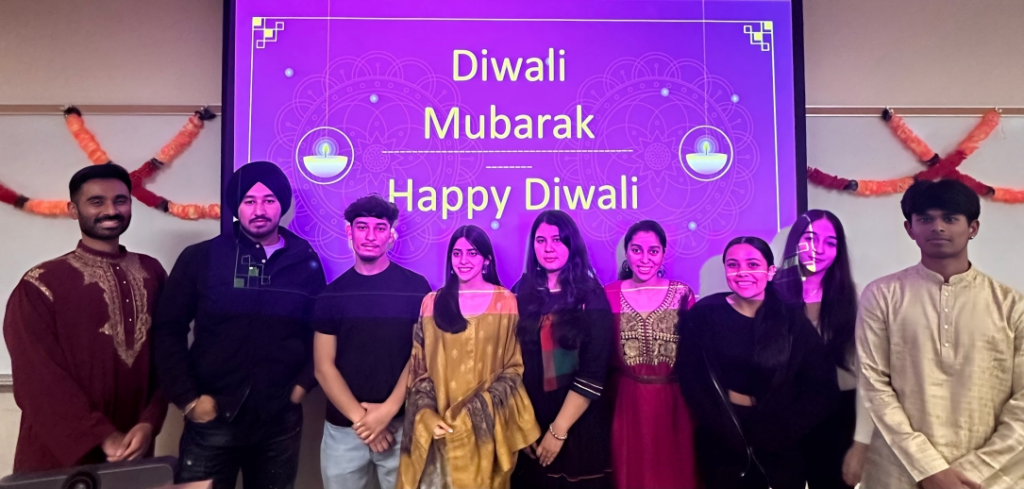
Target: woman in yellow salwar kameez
467,413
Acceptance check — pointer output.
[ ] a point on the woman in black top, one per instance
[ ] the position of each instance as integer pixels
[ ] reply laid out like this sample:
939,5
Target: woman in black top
755,376
565,331
815,277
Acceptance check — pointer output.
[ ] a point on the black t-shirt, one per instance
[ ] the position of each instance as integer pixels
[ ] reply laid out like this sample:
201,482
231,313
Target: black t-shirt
372,316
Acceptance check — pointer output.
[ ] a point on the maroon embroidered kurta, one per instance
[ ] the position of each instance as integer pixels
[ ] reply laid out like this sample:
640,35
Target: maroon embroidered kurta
652,433
76,329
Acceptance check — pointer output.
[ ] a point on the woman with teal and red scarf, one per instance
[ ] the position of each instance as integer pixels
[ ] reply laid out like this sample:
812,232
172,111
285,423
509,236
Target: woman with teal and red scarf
565,331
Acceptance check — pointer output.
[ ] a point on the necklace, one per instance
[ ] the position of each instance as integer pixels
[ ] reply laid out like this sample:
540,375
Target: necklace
815,293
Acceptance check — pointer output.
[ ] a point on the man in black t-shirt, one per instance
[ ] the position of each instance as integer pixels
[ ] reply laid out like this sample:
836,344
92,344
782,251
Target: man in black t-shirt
364,321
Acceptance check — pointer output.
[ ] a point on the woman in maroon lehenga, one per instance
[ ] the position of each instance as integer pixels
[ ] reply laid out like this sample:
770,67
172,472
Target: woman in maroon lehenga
652,438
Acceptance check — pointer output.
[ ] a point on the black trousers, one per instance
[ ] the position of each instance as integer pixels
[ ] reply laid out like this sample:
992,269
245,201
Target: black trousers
528,474
777,467
825,447
785,471
266,453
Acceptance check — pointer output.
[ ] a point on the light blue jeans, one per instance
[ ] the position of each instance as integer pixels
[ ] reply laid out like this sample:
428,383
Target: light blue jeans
346,462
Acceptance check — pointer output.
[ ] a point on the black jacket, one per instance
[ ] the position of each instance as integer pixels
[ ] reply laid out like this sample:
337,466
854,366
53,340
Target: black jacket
801,393
253,340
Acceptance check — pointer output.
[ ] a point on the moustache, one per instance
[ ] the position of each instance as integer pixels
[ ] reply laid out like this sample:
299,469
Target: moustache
103,219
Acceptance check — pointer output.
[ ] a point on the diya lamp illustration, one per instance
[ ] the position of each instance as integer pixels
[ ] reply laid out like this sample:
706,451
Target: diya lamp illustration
326,162
705,159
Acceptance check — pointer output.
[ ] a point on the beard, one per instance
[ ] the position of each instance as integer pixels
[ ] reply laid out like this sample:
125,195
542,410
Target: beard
94,231
257,234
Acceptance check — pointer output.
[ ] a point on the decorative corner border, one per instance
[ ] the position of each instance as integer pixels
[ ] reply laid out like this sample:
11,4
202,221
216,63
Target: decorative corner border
265,31
760,34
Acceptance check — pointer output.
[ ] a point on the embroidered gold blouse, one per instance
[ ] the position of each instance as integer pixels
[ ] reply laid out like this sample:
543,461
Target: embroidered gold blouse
651,339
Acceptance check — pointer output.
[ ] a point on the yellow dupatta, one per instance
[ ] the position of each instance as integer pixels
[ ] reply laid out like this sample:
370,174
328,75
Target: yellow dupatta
473,382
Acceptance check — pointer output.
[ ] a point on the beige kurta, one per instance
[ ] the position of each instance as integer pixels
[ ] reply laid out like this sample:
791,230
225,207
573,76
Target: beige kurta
942,373
473,381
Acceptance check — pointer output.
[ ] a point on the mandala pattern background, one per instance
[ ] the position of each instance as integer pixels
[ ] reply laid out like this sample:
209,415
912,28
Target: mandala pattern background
378,100
653,107
648,104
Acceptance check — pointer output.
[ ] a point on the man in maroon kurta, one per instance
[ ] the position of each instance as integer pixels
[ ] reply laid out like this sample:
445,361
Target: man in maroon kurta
76,329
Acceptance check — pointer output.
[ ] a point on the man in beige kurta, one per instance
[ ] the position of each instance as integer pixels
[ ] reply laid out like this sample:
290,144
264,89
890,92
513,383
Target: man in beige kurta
942,359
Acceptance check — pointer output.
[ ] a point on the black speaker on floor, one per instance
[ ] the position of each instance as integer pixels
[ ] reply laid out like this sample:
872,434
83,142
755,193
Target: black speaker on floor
150,473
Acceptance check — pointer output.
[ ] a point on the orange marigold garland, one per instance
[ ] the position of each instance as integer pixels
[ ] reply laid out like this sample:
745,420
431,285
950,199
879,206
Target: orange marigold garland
194,211
53,208
50,208
938,167
859,187
1008,195
181,142
908,138
84,137
87,142
981,132
884,187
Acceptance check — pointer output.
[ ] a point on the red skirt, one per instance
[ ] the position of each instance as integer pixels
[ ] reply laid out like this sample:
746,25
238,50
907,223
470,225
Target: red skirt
652,435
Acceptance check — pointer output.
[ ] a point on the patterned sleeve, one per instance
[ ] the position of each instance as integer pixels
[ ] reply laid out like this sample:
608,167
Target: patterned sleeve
51,400
596,347
1006,444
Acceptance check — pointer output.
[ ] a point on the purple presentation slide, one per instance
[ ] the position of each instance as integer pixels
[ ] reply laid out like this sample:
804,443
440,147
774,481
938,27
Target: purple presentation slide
487,113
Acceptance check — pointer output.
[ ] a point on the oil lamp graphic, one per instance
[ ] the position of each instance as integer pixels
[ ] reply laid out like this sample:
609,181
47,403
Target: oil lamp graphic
326,162
706,153
706,160
324,155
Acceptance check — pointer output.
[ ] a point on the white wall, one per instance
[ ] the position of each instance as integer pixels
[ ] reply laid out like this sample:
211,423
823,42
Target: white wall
914,52
858,52
110,51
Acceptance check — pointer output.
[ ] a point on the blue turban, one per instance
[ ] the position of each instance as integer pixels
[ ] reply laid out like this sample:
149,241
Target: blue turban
246,177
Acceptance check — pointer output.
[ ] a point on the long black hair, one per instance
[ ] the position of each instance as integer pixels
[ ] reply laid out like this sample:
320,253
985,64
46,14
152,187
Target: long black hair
577,280
625,272
772,338
838,293
447,314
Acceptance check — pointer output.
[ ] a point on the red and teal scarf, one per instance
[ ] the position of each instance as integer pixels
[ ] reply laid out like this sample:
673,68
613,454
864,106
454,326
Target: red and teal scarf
560,364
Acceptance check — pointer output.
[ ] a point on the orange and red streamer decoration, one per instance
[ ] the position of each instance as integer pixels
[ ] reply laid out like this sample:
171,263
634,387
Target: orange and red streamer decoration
937,167
87,141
